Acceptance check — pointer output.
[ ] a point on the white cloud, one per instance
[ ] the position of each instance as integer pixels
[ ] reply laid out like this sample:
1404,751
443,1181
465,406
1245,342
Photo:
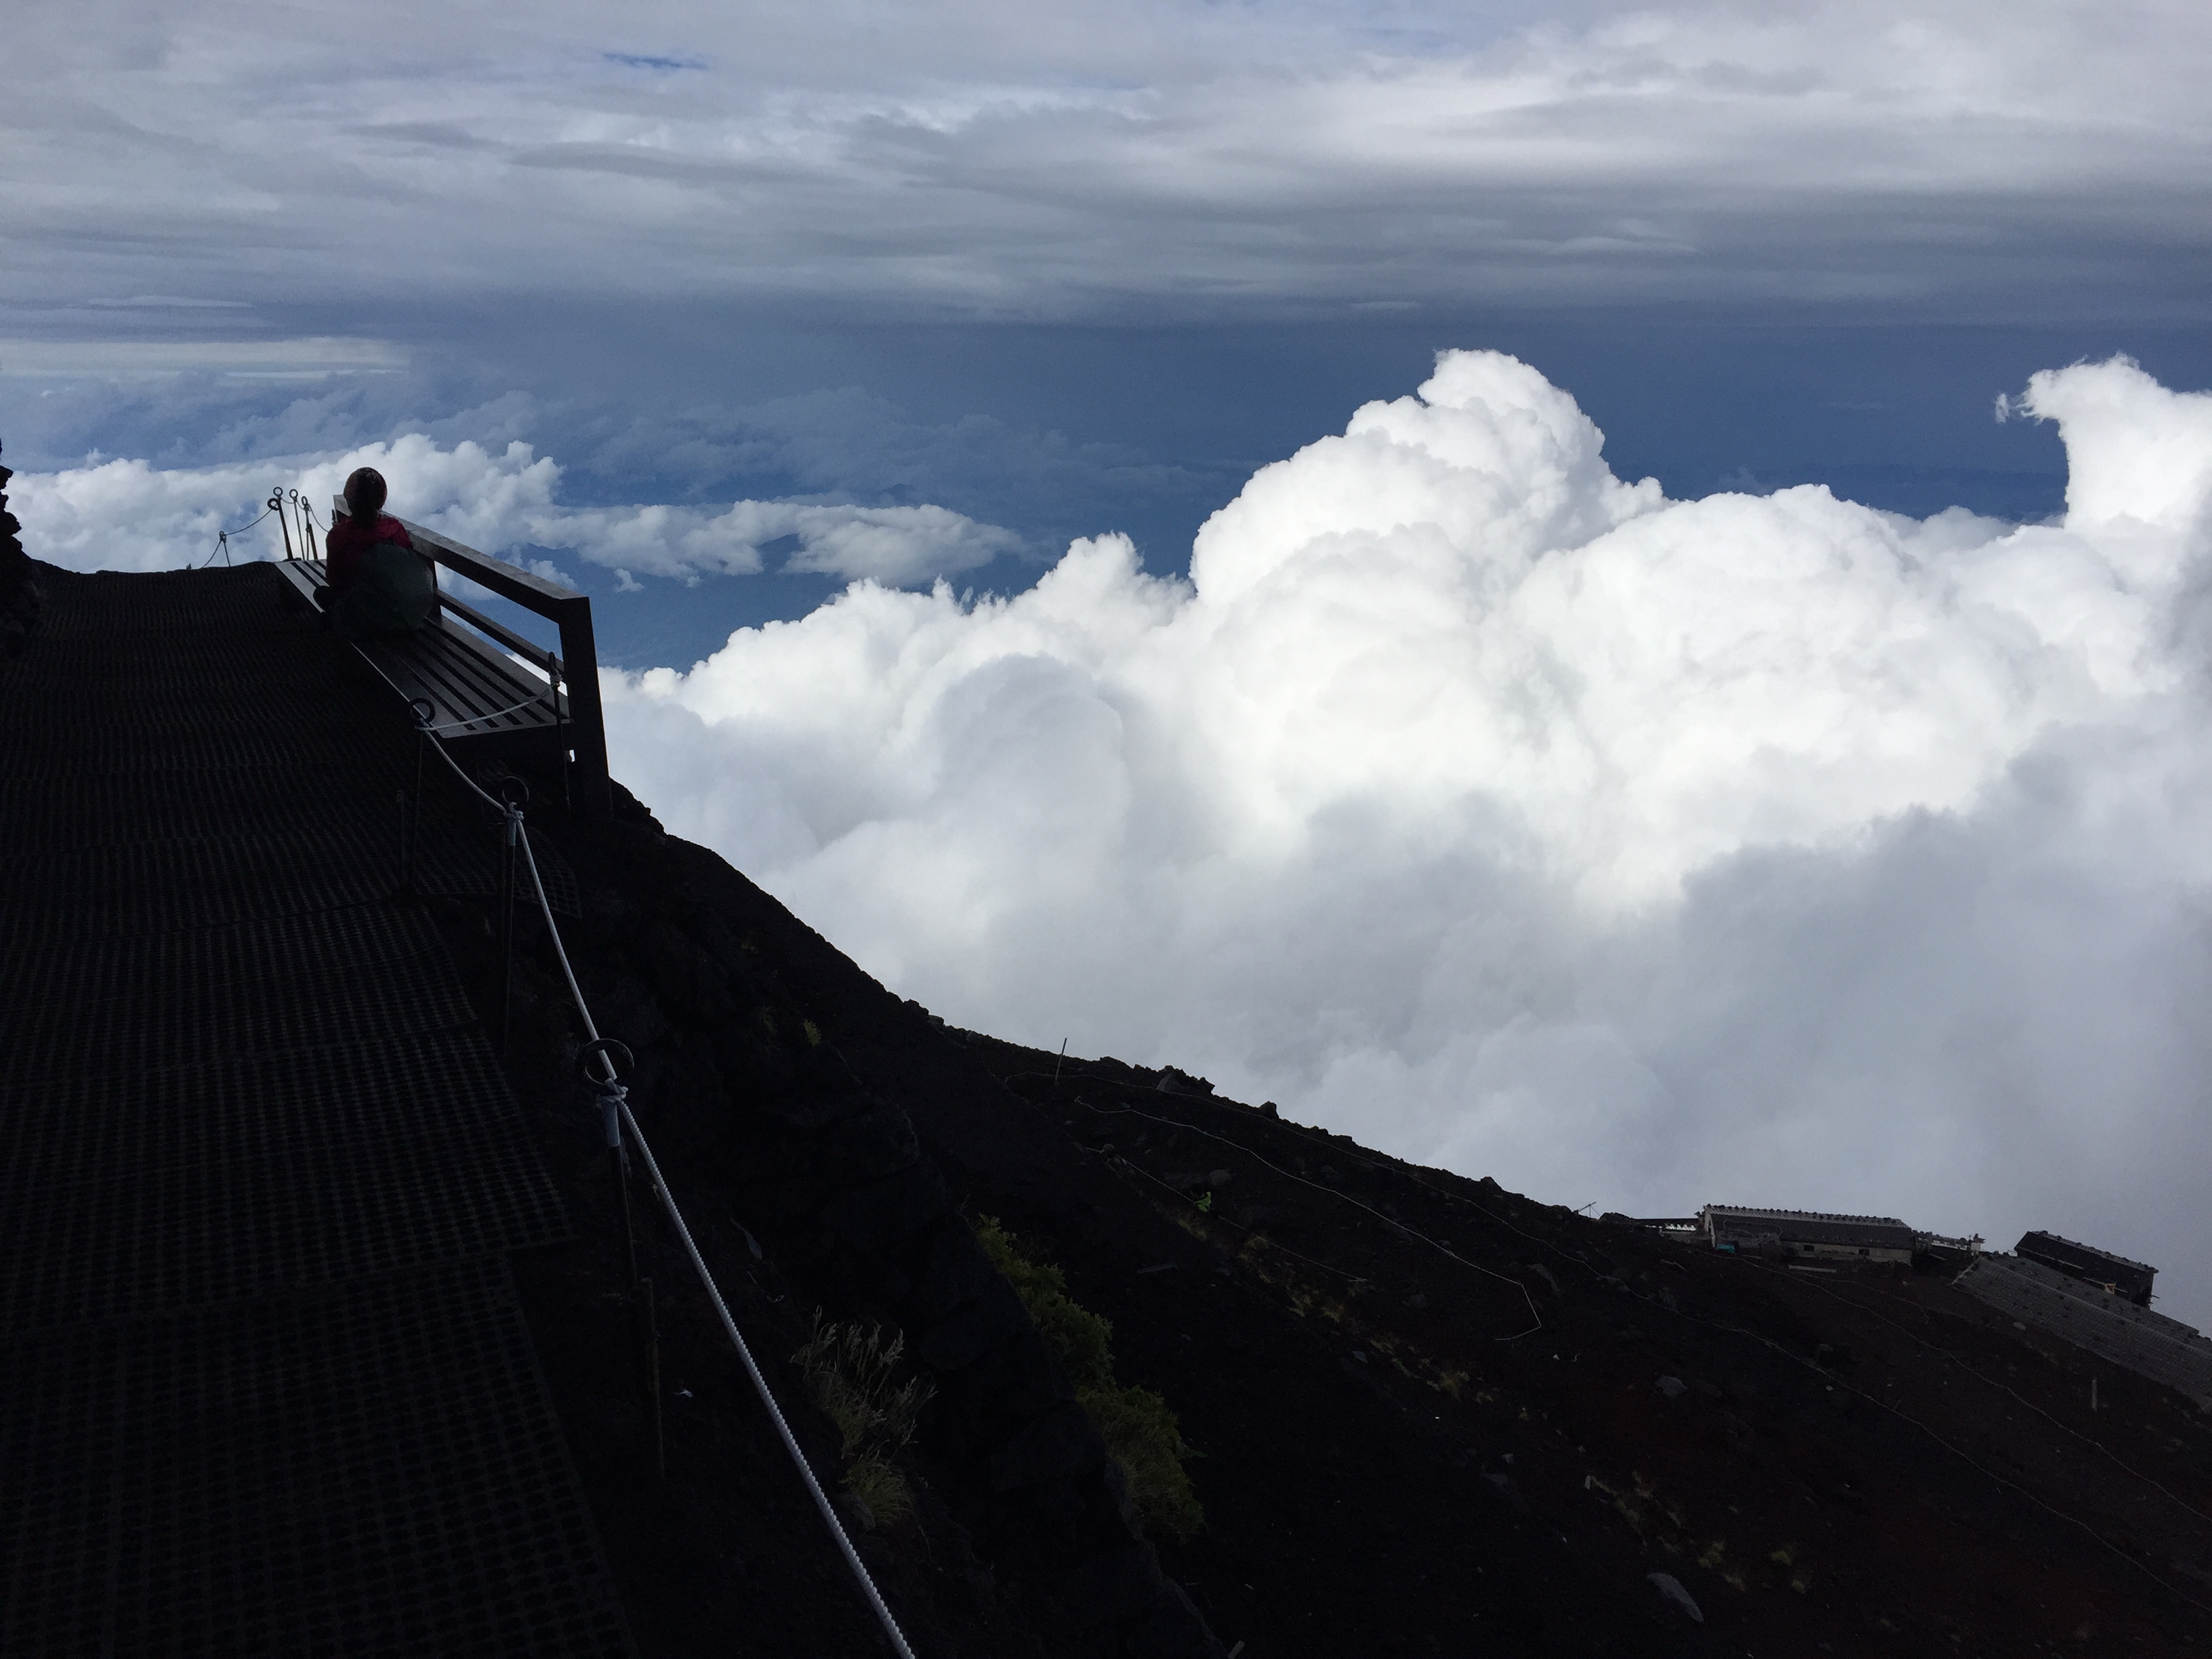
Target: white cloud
893,545
129,515
1636,851
896,545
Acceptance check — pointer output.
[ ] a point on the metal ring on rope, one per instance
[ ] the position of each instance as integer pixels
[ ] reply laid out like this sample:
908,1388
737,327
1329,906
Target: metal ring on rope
604,1050
613,1097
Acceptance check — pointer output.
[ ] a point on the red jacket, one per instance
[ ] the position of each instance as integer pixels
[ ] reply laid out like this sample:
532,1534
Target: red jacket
348,543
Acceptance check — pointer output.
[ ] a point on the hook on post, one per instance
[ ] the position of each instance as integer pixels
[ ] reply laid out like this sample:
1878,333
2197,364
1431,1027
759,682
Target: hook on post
604,1049
612,1092
283,523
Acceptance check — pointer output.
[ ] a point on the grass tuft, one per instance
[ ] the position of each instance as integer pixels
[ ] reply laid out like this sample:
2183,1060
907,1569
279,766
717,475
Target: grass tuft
881,1488
1136,1424
852,1373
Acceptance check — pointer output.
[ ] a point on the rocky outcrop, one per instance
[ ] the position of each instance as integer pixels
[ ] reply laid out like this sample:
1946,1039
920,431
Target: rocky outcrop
18,593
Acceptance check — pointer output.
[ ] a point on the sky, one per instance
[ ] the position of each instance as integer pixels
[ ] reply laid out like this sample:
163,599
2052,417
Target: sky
1604,596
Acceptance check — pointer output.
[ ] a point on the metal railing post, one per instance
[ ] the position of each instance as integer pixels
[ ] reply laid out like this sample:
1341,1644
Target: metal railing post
580,658
612,1095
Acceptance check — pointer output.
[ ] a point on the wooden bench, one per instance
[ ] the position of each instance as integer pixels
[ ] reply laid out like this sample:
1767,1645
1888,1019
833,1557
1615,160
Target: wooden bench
483,702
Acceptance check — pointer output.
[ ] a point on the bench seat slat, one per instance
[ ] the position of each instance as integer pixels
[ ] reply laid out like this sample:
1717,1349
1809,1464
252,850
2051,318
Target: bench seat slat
469,685
454,673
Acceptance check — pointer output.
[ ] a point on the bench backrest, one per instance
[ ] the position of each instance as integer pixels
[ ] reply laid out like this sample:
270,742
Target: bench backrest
577,666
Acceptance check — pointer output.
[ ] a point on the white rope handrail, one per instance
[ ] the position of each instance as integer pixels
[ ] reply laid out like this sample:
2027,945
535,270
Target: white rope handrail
613,1086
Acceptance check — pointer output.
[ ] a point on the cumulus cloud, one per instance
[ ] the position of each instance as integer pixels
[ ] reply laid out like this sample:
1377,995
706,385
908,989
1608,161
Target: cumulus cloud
1467,797
127,515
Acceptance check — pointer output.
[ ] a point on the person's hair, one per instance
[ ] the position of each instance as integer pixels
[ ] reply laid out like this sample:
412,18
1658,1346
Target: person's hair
365,492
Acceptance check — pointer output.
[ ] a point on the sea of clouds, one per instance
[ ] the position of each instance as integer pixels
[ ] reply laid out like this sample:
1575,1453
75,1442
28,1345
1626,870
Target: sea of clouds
1503,813
1509,816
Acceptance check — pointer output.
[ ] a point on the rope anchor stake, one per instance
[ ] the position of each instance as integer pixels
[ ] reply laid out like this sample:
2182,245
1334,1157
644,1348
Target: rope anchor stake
614,1101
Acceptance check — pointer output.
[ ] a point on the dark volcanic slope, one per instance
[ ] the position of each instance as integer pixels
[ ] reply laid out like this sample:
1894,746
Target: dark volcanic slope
1434,1417
806,1191
1851,1462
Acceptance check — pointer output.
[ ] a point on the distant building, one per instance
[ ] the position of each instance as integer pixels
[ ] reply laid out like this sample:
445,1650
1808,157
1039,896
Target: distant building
2110,1272
1811,1235
1936,1254
2087,1315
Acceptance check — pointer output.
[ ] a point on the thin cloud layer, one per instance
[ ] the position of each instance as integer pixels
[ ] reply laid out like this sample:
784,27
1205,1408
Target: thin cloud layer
129,515
1171,157
1469,799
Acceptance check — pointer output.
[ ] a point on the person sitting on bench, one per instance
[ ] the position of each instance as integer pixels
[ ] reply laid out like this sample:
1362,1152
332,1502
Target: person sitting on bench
378,583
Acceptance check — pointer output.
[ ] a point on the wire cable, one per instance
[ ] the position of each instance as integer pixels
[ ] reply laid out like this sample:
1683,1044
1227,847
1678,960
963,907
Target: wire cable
1410,1232
2111,1455
1115,1161
1957,1451
1406,1171
222,539
611,1086
620,1095
1881,1404
510,817
421,724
